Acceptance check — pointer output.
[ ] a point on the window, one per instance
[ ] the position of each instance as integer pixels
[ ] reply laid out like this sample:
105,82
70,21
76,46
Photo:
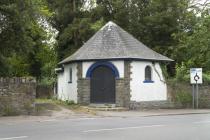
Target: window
70,75
148,75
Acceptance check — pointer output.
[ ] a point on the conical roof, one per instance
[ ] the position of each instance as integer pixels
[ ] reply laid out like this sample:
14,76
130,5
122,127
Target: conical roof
112,42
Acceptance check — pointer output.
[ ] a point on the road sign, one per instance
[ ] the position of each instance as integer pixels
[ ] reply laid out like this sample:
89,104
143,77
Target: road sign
195,79
196,76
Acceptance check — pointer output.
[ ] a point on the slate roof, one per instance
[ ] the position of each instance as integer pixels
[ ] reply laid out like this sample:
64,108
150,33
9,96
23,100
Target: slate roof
112,42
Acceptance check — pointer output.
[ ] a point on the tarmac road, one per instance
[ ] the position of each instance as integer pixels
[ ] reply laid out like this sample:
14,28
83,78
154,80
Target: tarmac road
172,127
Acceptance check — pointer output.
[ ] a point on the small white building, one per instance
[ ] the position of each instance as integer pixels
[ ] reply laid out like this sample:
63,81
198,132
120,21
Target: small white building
112,67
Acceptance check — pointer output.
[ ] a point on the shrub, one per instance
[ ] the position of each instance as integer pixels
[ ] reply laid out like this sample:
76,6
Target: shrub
206,78
182,73
28,107
69,102
184,98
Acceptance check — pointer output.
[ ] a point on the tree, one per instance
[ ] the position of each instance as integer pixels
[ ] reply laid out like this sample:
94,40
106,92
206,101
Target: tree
22,37
72,23
194,48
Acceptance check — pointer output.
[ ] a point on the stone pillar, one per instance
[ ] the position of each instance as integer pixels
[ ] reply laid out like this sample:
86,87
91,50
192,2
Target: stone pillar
123,87
120,91
83,87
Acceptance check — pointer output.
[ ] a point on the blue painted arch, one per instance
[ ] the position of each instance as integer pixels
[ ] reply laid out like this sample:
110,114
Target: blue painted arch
104,63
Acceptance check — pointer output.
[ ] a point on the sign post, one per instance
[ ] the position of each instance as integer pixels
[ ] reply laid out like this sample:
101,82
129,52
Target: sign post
193,96
195,80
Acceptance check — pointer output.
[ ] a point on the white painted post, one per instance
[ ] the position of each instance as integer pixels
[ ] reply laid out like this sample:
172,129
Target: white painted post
197,95
193,96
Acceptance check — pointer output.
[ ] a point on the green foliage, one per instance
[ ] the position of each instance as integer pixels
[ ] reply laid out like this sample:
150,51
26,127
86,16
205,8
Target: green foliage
206,78
73,36
48,60
164,71
18,65
194,47
24,47
169,27
184,98
28,107
152,22
173,28
182,73
97,25
69,102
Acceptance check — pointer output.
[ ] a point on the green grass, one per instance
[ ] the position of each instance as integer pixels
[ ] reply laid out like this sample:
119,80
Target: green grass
66,104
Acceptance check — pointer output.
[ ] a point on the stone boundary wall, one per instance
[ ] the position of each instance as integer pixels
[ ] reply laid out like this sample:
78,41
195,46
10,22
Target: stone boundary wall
177,88
172,90
17,95
154,105
204,97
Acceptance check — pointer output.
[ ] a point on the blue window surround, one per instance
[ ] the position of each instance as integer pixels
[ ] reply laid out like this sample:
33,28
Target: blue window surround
102,63
148,81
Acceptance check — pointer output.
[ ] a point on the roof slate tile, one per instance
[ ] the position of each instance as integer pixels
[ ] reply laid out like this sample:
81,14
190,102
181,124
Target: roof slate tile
112,42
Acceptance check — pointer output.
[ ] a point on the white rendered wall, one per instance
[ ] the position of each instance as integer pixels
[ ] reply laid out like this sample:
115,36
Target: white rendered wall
66,90
141,91
118,64
85,67
60,84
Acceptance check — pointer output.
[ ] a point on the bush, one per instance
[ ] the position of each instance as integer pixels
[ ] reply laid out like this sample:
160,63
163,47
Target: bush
28,107
69,102
182,73
206,78
184,98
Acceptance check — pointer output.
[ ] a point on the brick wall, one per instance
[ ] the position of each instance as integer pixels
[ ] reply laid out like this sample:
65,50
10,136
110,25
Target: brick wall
17,95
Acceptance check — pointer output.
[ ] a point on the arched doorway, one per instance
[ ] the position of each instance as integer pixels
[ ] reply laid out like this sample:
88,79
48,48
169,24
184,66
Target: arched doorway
102,82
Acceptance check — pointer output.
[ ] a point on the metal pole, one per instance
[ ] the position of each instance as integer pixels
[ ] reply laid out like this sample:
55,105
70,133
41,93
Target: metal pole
193,97
197,95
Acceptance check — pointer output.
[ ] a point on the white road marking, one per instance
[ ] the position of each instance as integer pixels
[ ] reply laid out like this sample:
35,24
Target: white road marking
202,122
75,119
11,138
50,120
123,128
80,119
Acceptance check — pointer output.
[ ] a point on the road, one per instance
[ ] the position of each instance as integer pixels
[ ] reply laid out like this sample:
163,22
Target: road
172,127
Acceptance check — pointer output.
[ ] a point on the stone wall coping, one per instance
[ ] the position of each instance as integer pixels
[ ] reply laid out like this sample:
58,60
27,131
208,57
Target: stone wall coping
17,80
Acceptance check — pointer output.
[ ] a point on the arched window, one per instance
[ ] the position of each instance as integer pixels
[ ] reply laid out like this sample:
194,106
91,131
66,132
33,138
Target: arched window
70,75
148,74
